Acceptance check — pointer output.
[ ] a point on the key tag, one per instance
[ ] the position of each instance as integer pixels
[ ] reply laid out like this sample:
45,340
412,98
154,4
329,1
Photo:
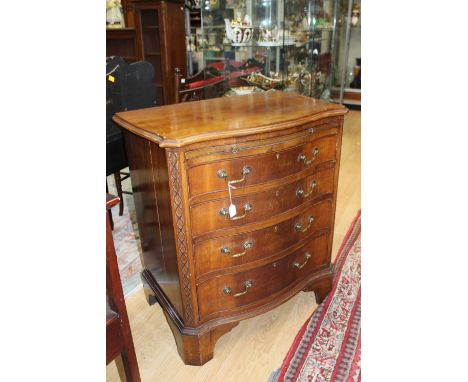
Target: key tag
232,207
232,210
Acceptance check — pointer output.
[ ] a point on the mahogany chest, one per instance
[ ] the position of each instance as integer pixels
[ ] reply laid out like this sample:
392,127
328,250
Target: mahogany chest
275,157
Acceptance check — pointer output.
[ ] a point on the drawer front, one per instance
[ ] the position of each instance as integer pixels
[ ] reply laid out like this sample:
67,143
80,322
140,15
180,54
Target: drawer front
214,215
258,169
230,251
238,290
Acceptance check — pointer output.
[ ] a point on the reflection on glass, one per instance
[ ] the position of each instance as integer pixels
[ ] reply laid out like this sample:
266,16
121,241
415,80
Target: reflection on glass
288,46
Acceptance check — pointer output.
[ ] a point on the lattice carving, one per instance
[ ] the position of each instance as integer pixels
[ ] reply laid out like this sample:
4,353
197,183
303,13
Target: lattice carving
181,237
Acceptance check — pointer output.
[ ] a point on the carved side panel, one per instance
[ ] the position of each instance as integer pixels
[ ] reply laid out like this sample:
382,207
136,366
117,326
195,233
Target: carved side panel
181,237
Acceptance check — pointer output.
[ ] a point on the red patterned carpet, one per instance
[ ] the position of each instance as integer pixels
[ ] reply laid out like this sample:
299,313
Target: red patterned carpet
328,346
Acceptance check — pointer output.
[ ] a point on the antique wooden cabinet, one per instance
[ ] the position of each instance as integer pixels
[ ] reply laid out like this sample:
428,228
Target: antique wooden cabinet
123,42
209,268
160,28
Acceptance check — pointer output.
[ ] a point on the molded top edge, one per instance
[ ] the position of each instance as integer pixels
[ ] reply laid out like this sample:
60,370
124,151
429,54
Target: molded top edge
191,122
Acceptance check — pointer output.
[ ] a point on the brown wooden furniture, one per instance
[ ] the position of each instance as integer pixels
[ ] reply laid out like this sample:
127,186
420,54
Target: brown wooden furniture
128,12
209,270
160,25
125,43
118,335
350,96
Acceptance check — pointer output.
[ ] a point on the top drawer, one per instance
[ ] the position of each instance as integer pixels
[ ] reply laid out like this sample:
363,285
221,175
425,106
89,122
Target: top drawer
251,170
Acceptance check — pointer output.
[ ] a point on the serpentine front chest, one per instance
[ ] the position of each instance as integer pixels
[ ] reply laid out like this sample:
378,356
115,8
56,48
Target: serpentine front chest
235,201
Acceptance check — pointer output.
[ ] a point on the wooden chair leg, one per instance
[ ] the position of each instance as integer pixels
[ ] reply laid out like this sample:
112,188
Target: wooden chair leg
109,210
110,218
121,330
130,365
118,185
120,367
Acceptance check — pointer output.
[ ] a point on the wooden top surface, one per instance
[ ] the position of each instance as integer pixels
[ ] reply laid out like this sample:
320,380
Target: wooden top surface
190,122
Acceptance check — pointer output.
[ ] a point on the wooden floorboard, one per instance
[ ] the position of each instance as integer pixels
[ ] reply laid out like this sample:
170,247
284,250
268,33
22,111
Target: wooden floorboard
257,346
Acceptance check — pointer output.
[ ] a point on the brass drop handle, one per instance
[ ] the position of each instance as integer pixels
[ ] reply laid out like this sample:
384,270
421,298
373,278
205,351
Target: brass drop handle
247,285
296,264
298,226
246,170
302,157
222,174
225,212
300,192
227,251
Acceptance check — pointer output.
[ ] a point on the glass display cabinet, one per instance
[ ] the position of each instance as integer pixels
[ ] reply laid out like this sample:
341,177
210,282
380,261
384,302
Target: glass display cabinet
346,82
267,44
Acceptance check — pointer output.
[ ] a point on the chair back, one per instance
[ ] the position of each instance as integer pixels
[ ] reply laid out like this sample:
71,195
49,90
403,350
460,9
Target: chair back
128,87
200,86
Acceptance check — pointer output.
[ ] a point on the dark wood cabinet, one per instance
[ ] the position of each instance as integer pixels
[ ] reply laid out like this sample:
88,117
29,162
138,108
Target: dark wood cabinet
160,26
129,14
209,269
123,42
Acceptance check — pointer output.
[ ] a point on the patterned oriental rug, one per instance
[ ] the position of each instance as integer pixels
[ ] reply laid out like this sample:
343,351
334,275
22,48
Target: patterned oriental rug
126,238
328,346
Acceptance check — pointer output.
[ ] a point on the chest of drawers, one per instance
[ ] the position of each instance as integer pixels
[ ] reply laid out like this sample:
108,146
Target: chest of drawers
209,269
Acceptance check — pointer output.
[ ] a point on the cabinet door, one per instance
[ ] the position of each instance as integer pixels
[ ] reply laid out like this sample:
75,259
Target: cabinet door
149,20
309,57
346,85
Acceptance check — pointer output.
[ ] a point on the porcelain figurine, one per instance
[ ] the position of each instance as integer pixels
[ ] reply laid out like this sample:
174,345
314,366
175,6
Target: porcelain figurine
114,16
267,34
239,31
355,15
